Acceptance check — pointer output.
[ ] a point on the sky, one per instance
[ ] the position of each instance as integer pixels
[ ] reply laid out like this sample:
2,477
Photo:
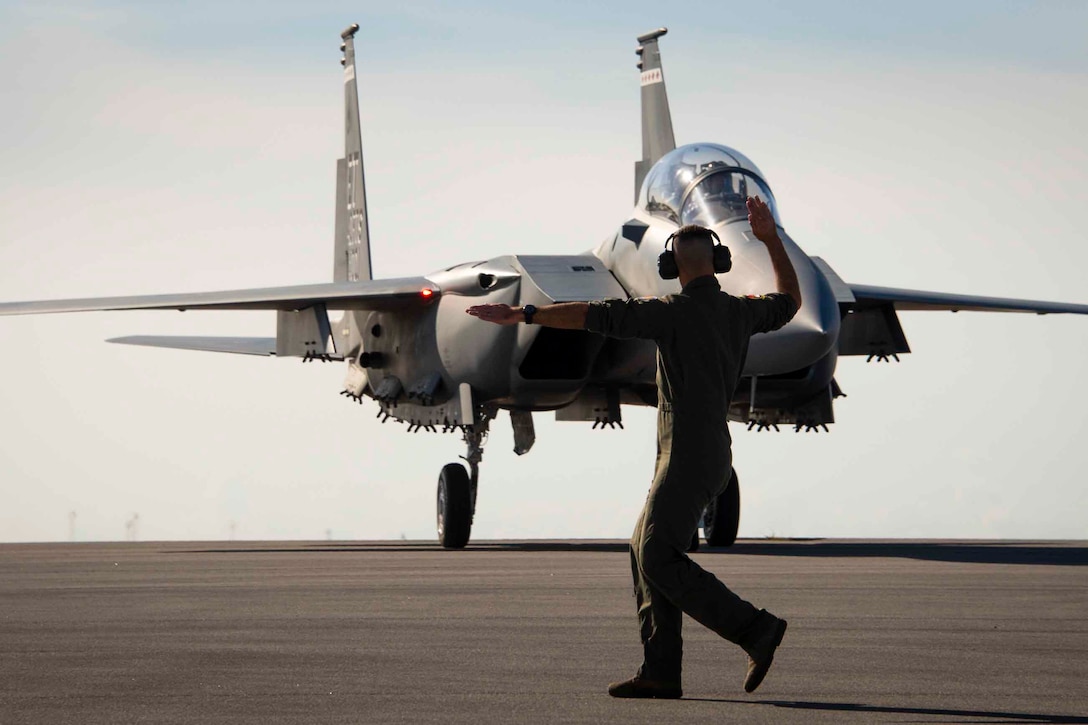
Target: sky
171,147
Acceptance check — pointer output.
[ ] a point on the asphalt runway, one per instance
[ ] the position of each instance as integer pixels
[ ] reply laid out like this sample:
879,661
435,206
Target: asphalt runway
510,632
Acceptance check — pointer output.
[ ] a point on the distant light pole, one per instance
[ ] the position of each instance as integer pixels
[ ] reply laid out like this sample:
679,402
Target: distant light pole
131,527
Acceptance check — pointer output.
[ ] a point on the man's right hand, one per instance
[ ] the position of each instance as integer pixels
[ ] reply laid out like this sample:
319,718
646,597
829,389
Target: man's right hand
565,315
762,221
499,314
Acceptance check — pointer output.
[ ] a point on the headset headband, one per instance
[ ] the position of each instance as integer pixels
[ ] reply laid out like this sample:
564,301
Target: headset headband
667,267
714,235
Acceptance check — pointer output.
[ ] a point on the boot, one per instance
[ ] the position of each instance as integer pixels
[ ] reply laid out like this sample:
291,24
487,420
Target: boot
768,632
638,687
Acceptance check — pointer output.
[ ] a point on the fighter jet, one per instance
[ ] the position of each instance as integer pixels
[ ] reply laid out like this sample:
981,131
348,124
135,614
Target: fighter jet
412,353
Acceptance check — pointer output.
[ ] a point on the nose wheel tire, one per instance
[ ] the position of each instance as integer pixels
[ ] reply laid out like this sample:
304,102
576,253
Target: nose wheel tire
722,517
454,506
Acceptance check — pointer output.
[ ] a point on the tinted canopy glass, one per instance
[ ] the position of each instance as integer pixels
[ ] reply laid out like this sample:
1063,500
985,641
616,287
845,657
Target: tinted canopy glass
720,195
702,184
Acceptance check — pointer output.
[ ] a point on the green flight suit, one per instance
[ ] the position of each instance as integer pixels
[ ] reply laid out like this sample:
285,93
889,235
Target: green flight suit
702,337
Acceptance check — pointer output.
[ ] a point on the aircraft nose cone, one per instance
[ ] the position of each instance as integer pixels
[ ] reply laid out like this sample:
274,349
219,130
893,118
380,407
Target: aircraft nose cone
809,336
814,330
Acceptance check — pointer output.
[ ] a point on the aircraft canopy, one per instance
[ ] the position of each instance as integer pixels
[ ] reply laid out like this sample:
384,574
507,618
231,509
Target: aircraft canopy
703,184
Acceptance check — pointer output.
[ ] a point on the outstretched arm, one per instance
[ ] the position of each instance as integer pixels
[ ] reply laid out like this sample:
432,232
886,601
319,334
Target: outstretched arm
762,221
565,315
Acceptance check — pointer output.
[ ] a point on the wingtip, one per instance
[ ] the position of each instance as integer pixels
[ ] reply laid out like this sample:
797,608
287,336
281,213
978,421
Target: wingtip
652,35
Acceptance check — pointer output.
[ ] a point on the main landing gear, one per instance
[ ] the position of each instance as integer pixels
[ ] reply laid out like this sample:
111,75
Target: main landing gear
457,487
721,518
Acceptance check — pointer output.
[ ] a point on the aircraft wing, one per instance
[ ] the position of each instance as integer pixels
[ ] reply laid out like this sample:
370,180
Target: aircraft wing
859,297
379,294
871,326
905,299
238,345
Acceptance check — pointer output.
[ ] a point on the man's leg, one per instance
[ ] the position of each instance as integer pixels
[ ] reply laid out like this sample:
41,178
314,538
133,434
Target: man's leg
698,469
676,583
693,468
659,676
659,619
668,581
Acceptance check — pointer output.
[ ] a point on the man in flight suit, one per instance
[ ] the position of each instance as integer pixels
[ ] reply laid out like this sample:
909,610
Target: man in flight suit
702,336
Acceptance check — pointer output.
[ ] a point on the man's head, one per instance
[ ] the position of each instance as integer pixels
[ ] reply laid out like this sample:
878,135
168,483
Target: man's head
694,254
694,248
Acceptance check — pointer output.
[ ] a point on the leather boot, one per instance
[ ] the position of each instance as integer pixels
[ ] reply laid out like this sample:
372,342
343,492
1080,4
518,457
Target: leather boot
638,687
767,632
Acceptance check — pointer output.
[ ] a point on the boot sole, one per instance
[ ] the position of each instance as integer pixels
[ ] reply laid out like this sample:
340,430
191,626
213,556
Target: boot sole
646,694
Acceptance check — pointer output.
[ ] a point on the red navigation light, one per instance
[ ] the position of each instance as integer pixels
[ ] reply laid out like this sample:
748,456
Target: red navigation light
426,293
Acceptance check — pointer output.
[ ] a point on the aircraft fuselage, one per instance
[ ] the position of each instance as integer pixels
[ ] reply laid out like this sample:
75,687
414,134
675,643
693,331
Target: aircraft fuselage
791,365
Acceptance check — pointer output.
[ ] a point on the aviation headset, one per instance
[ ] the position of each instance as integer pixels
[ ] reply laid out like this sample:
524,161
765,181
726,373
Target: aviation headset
666,261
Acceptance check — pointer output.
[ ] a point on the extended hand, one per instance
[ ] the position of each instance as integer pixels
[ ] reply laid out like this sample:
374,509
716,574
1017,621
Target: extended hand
499,314
762,221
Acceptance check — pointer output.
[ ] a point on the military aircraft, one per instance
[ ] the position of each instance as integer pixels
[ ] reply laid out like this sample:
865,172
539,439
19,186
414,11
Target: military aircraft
409,346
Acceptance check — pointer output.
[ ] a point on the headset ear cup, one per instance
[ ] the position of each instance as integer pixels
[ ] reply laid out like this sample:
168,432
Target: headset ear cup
723,260
666,265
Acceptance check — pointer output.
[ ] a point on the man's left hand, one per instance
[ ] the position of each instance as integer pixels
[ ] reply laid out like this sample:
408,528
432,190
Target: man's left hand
499,314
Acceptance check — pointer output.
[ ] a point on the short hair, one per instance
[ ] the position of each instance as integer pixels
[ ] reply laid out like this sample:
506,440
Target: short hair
690,231
694,244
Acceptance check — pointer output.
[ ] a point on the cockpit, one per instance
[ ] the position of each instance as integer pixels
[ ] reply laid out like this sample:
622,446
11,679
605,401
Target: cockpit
704,184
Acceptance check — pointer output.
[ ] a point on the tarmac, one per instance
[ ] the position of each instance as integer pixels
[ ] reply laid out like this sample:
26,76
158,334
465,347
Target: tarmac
533,632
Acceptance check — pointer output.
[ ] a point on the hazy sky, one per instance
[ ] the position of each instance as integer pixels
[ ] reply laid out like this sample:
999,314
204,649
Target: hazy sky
169,147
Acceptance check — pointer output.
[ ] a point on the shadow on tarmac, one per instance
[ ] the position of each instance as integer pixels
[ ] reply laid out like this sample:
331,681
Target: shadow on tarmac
996,552
927,711
975,552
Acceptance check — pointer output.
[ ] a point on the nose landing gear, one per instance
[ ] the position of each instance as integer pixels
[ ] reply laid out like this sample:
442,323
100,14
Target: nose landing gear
454,506
457,487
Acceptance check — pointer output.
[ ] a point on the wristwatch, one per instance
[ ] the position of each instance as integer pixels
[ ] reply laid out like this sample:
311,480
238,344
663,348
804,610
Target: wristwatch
529,311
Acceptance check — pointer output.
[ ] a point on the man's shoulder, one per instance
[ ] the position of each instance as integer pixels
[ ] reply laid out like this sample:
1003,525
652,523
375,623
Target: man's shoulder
658,301
755,303
647,305
750,298
731,300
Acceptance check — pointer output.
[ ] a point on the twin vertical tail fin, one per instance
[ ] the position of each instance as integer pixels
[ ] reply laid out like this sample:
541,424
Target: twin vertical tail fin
352,244
657,135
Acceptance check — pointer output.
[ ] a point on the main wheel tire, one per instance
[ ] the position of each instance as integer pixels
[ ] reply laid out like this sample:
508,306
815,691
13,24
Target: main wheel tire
722,517
454,506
